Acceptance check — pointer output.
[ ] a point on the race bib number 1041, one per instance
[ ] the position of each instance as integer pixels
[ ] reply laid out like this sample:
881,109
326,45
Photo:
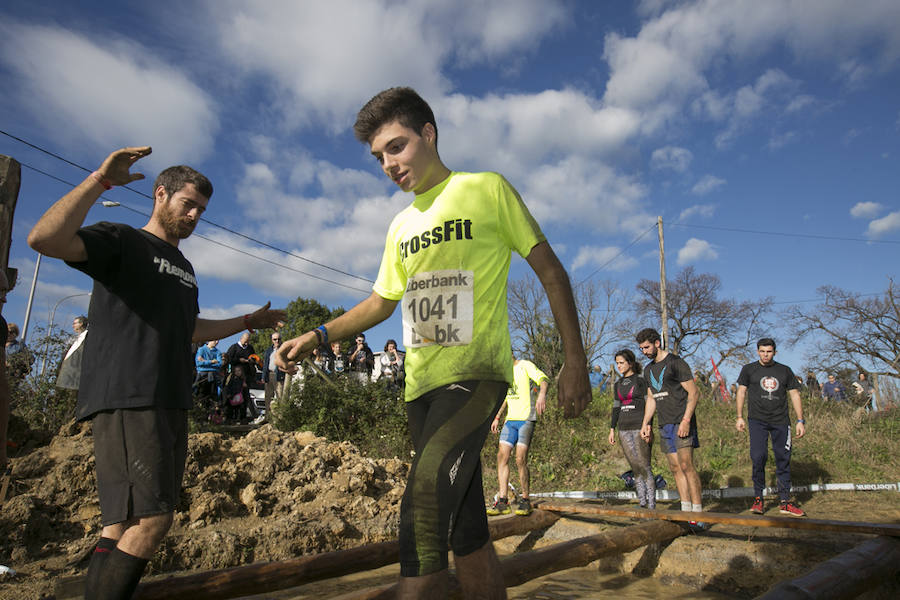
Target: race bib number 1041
438,309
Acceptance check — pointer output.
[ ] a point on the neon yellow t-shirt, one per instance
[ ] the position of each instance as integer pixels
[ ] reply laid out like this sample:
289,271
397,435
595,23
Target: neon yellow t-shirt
447,257
519,399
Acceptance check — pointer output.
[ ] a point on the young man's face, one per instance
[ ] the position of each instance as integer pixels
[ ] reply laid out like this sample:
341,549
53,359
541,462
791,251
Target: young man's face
180,212
408,157
766,354
650,349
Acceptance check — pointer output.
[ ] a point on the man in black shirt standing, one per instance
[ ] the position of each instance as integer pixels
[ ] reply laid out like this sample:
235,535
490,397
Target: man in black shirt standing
770,384
136,387
672,393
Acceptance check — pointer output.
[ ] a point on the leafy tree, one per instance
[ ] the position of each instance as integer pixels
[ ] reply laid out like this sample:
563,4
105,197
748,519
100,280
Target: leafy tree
701,320
855,330
303,314
600,306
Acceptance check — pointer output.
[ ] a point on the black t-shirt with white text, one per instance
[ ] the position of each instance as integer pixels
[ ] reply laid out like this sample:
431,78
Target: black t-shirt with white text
664,378
142,314
630,398
767,387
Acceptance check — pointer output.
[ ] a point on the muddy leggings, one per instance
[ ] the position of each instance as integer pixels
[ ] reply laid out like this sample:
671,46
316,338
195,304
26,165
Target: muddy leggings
637,453
444,497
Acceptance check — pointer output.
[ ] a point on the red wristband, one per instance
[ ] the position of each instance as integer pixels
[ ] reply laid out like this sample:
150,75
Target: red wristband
99,179
247,324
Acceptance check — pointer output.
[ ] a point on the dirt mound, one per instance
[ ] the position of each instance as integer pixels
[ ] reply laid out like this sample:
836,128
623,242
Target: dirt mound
267,495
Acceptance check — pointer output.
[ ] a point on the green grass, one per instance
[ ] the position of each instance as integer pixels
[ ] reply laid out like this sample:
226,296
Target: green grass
841,445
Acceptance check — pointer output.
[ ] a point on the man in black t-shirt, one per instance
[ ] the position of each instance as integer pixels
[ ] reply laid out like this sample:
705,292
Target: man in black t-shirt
137,363
768,385
672,394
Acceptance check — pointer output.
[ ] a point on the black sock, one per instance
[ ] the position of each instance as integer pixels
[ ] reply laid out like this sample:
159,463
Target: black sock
120,577
95,568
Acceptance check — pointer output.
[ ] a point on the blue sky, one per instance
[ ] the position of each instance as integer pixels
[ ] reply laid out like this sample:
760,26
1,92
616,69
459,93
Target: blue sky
779,116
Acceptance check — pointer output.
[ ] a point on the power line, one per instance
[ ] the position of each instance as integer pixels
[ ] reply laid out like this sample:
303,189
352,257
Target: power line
208,239
202,219
620,253
785,234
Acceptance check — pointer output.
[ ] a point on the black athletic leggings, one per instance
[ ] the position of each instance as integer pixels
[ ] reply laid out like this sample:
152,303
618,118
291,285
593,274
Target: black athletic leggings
444,498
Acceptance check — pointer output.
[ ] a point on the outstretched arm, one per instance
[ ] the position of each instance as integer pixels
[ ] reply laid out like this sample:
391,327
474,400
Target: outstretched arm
366,314
56,232
261,318
574,386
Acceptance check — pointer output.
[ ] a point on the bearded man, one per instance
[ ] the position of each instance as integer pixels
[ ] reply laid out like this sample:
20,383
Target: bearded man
136,384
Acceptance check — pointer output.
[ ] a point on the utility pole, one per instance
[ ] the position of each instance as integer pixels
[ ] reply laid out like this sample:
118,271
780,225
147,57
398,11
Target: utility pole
664,332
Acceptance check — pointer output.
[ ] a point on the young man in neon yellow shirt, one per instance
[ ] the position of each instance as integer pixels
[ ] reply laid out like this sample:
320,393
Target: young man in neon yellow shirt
522,412
446,261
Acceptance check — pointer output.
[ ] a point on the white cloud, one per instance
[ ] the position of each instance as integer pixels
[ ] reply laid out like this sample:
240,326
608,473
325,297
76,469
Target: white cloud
596,256
226,312
781,140
800,103
707,184
700,210
328,58
586,195
64,79
886,224
696,250
866,210
678,55
671,157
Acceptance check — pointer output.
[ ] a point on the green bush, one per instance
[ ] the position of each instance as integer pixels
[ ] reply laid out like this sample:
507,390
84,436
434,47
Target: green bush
366,414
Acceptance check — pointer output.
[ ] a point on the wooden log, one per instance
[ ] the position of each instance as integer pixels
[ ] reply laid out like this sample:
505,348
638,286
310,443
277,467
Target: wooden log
891,529
846,575
266,577
520,568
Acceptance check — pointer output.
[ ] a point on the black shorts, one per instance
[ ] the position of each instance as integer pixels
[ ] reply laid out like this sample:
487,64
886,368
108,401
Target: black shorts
444,497
140,455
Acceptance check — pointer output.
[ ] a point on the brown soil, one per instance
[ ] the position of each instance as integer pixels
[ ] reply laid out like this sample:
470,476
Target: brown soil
265,496
270,495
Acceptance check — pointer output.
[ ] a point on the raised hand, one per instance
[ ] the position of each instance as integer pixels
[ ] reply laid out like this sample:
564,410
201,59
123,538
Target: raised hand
116,169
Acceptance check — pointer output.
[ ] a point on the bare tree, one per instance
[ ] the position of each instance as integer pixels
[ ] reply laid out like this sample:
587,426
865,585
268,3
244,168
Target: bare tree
864,332
601,305
700,320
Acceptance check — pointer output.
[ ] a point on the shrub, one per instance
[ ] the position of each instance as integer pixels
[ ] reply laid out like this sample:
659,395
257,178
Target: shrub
366,414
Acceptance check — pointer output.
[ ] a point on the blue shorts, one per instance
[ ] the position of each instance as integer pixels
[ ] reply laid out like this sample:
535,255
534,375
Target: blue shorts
671,442
517,432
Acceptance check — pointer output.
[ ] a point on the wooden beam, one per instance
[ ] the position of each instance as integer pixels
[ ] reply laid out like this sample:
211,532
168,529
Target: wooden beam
523,567
266,577
846,575
891,529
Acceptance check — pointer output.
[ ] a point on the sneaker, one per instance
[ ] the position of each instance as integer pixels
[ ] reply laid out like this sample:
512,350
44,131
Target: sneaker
788,508
757,507
524,508
697,526
499,507
258,420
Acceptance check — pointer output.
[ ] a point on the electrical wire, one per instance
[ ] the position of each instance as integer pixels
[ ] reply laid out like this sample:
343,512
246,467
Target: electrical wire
208,239
202,219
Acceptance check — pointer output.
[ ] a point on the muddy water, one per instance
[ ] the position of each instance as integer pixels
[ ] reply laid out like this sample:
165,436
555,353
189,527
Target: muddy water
589,583
574,584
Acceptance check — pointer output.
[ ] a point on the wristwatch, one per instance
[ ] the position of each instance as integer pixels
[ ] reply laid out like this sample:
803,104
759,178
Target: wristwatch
801,421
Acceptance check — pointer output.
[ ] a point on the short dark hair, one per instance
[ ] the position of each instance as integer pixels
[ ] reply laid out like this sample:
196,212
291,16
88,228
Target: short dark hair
400,104
175,178
765,342
628,355
647,335
82,319
362,335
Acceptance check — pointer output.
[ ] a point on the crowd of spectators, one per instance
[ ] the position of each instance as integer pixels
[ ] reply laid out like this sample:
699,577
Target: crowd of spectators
225,381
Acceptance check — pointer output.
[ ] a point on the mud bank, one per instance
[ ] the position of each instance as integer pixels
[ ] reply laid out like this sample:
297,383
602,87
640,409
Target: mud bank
265,496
